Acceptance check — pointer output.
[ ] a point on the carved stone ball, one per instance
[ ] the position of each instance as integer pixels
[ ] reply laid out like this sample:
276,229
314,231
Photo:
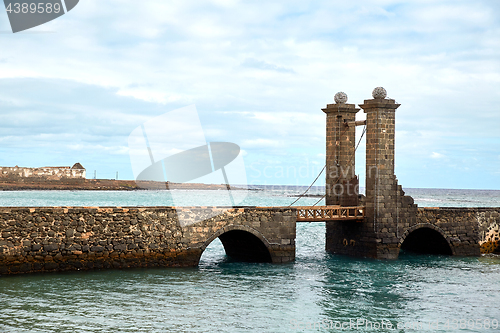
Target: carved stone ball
379,93
340,97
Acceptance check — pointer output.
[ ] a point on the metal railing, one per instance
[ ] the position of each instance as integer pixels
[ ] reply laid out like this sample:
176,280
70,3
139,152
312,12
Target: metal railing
329,213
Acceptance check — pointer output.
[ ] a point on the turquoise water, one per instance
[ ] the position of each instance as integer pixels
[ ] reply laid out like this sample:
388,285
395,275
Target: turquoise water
316,293
142,198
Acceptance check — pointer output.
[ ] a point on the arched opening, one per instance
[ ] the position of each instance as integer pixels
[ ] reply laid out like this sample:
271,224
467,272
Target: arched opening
213,254
244,246
426,241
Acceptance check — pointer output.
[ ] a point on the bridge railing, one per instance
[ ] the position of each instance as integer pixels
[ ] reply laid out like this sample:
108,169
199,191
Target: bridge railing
329,213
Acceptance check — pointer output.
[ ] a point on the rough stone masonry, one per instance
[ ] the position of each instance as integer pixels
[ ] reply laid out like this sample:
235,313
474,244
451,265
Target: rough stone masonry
392,220
60,239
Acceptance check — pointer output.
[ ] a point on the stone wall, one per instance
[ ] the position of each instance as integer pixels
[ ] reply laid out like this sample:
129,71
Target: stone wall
469,231
19,174
459,226
60,239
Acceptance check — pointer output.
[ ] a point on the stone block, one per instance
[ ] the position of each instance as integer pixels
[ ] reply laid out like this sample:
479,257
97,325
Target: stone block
97,248
50,247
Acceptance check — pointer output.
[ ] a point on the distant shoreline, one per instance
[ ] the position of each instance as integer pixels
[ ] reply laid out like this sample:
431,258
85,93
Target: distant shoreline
26,184
103,185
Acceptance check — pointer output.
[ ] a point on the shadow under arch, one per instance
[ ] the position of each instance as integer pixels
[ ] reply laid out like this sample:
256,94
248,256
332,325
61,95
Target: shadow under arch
242,243
426,239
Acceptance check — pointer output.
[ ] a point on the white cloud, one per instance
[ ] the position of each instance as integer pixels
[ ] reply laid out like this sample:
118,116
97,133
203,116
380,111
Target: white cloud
262,143
436,155
151,96
259,73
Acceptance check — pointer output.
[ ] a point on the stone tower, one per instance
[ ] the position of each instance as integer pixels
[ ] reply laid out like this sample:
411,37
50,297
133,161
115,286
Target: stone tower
388,211
341,180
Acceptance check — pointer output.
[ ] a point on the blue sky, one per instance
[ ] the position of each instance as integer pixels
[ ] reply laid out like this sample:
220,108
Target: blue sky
72,90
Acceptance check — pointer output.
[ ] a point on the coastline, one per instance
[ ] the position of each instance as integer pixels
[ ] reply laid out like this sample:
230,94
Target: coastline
102,185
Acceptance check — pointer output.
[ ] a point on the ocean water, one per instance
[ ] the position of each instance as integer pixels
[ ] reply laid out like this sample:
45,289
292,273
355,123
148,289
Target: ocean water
319,292
268,196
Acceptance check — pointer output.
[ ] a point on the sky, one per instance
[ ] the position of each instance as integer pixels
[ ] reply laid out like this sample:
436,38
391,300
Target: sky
259,73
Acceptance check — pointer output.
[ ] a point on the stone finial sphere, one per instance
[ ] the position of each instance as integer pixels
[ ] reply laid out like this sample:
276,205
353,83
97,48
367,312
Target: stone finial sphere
340,97
379,92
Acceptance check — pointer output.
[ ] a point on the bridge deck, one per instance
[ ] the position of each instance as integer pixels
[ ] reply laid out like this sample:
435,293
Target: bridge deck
329,213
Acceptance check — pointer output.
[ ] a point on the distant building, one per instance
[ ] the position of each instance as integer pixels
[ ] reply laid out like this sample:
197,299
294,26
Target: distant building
77,171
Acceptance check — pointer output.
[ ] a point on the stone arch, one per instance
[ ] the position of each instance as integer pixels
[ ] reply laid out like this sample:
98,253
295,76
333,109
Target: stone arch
426,238
242,243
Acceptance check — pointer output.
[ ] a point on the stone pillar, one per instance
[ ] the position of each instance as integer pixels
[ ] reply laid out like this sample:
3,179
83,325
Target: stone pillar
385,207
380,139
341,181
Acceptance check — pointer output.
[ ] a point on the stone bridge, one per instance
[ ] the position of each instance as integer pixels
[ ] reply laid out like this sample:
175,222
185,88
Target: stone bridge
72,238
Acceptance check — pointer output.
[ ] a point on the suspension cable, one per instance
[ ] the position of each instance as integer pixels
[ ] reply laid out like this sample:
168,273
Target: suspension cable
356,148
303,194
300,196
